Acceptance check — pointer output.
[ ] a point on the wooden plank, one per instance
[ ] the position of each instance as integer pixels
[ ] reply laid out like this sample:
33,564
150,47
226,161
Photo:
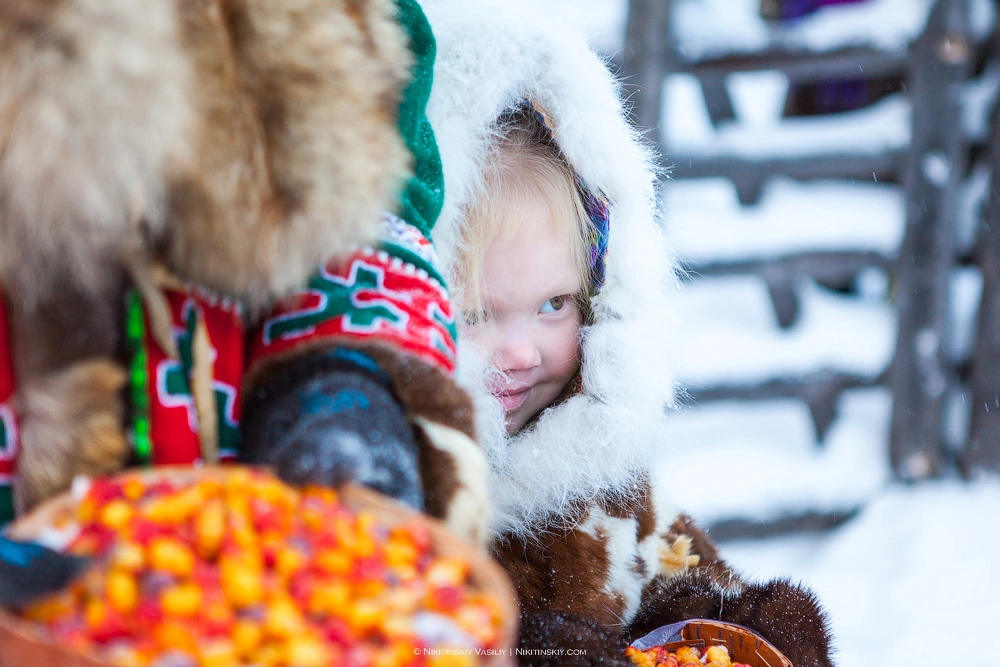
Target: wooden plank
647,60
729,530
819,390
800,65
983,449
920,375
833,267
720,107
749,174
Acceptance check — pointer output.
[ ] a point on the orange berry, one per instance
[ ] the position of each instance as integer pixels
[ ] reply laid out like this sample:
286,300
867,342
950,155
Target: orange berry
210,528
270,655
307,652
242,583
396,626
86,510
283,619
289,561
218,653
334,562
447,572
181,599
128,556
133,488
123,591
247,636
173,636
328,598
364,615
95,612
116,514
171,555
400,553
718,656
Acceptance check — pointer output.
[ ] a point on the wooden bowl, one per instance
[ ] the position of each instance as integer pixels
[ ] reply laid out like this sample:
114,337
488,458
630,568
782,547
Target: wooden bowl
744,644
23,643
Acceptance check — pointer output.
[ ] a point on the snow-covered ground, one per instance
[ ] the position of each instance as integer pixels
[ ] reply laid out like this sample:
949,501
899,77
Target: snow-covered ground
912,579
916,570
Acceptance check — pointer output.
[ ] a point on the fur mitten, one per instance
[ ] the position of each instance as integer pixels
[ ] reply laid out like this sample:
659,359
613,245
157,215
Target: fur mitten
787,615
330,418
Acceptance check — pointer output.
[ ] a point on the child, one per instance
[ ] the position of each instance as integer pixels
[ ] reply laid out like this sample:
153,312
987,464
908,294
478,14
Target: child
563,275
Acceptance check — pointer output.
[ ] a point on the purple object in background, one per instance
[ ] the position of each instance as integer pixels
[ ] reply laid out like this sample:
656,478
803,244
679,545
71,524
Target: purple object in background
793,9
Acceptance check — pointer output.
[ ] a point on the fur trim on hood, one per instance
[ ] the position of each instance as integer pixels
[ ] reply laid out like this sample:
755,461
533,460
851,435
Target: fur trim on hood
491,57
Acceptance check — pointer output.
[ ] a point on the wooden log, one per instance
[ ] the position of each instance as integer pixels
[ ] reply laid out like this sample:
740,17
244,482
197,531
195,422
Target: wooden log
835,267
749,174
940,62
983,449
819,390
720,107
647,61
803,66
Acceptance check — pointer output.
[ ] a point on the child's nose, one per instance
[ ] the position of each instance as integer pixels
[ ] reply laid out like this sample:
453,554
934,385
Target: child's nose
518,353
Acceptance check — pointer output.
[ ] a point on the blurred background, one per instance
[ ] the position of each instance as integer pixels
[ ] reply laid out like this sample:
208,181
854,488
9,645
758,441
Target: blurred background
832,196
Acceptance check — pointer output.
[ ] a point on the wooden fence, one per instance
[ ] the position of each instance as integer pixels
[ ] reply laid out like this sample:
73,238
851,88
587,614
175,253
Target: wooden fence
931,171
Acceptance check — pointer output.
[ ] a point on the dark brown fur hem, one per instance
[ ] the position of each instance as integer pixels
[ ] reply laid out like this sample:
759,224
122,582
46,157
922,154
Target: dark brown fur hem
552,639
70,423
564,572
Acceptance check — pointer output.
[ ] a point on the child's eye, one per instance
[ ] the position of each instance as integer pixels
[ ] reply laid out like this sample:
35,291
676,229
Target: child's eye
554,304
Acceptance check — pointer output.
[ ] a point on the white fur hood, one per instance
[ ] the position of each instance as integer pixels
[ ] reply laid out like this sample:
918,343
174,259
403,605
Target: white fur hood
491,56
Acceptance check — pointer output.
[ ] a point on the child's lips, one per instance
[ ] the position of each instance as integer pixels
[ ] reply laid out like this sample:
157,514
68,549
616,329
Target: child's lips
513,399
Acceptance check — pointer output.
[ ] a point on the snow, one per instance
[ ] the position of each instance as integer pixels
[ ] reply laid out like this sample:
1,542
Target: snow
706,222
769,451
603,21
760,133
965,293
731,335
910,577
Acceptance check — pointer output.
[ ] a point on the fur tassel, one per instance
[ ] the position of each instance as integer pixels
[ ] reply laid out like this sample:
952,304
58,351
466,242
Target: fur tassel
70,424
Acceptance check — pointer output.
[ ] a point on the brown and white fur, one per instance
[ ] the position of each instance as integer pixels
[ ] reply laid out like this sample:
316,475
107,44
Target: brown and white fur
585,530
237,143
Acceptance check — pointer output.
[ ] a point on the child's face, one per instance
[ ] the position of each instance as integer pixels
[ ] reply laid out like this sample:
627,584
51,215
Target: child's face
532,321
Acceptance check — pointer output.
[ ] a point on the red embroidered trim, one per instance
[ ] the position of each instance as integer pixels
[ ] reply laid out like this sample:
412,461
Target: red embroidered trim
372,297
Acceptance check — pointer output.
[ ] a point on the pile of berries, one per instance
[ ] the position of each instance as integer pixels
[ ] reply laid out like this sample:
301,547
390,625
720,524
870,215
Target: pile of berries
685,656
238,568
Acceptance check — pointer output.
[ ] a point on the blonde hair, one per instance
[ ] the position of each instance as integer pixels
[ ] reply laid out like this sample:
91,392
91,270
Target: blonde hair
523,165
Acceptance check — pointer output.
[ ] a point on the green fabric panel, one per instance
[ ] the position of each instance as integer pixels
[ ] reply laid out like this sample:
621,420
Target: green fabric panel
6,504
421,199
